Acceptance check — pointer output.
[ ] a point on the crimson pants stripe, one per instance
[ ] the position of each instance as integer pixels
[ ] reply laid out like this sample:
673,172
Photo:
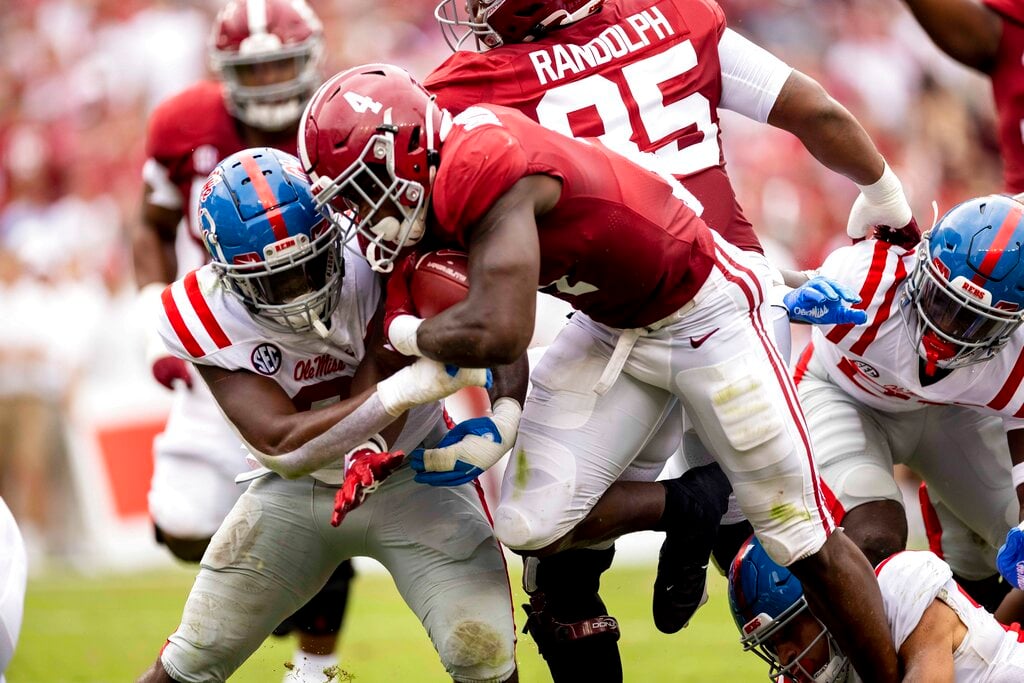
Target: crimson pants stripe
782,375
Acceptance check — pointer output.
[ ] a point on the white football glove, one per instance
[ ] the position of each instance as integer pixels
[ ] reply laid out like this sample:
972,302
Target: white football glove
427,380
880,203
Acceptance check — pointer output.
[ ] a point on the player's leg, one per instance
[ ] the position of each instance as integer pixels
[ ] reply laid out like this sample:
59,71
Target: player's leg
573,445
13,571
440,549
270,556
853,448
189,496
743,403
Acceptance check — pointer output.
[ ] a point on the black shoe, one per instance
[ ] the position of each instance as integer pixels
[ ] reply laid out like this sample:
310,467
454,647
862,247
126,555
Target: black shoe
695,503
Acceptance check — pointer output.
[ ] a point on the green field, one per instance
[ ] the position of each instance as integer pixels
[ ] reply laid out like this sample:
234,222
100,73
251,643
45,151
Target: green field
107,630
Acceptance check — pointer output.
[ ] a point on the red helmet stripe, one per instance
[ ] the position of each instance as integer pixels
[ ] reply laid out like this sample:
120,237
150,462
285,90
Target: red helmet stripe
995,251
266,195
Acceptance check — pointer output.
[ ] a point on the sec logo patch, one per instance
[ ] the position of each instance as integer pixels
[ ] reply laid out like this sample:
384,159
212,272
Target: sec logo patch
266,359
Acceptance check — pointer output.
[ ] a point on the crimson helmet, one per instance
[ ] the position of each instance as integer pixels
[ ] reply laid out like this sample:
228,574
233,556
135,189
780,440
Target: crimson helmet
964,299
368,140
496,22
267,53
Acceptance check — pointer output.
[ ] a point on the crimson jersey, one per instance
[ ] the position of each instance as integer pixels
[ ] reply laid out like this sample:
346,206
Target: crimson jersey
618,245
640,75
1008,90
187,136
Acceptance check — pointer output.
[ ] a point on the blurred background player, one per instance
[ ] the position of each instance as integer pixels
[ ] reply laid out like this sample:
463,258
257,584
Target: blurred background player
987,36
267,55
538,210
941,634
13,573
647,79
285,327
933,382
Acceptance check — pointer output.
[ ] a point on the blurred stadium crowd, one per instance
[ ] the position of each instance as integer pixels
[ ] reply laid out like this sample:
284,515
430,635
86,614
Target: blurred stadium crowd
78,78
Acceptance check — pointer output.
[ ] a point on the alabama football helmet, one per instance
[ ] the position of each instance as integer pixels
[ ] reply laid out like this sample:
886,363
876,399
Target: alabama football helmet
270,245
267,53
496,22
764,598
965,296
369,140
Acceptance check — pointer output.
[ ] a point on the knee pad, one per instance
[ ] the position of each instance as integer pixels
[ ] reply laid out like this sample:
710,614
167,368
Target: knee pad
788,528
323,614
477,651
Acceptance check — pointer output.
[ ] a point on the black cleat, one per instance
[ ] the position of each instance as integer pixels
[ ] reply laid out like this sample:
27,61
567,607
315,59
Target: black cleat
695,503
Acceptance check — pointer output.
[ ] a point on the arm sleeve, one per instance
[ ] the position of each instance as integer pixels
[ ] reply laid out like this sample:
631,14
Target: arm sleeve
752,77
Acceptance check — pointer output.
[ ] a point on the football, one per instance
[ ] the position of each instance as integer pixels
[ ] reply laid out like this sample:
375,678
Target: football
440,279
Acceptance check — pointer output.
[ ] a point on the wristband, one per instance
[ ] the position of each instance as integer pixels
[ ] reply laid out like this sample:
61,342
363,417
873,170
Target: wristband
402,334
884,189
1017,475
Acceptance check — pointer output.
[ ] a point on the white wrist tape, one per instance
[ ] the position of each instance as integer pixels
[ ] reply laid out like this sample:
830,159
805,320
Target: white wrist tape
402,334
479,451
424,381
148,305
880,203
1017,475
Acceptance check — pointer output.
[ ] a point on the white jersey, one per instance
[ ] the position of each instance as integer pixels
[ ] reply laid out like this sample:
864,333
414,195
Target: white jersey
911,581
205,323
877,363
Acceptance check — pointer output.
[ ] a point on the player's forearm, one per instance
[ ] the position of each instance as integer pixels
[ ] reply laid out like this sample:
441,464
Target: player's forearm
829,132
312,453
965,30
154,260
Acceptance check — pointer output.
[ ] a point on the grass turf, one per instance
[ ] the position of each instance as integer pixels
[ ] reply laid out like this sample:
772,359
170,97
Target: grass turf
109,629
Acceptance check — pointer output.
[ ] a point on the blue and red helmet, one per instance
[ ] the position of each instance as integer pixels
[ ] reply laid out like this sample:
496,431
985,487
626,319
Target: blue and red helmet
967,286
269,242
764,598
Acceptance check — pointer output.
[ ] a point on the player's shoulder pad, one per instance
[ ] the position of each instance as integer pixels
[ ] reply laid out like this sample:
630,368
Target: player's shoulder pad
200,321
176,123
480,160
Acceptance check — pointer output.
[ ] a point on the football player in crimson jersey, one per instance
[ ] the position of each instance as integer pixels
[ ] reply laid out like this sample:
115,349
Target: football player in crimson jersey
987,36
266,54
667,310
285,327
933,381
940,632
647,78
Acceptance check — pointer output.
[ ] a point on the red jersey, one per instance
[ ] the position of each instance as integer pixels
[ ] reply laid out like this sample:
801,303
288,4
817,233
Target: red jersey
640,73
188,135
618,245
1008,89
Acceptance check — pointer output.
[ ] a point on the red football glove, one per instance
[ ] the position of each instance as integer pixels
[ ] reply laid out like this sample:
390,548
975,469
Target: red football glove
398,300
168,369
365,472
907,237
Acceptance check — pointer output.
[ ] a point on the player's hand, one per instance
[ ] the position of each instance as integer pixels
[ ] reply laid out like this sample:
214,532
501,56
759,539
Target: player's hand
821,301
425,381
469,448
1010,559
906,237
880,203
364,471
168,370
398,304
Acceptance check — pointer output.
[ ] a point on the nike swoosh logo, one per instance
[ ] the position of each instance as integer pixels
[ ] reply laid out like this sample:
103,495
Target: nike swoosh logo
697,343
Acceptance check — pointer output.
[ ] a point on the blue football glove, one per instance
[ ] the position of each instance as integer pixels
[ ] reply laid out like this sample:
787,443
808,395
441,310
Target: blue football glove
1010,559
821,301
469,448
